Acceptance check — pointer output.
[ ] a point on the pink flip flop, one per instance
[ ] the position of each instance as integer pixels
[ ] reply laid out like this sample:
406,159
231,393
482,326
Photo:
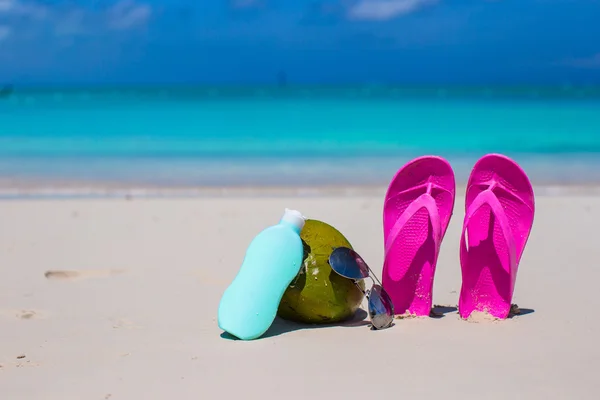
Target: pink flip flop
416,213
500,206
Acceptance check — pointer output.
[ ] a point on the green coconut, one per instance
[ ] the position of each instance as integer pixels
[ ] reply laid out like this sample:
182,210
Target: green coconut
318,295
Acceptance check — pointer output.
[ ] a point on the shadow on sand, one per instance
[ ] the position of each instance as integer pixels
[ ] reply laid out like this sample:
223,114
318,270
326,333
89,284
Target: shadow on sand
281,326
439,311
516,311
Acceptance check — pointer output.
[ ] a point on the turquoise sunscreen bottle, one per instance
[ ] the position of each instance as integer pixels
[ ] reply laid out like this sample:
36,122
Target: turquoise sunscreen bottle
273,259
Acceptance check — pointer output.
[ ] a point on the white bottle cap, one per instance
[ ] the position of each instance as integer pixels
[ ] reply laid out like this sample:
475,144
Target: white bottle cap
294,218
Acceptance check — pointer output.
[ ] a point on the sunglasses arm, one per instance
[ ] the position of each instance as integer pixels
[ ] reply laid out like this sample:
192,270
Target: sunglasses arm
366,292
373,276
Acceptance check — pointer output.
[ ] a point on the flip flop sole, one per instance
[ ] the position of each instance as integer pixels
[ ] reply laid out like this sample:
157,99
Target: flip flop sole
500,207
417,211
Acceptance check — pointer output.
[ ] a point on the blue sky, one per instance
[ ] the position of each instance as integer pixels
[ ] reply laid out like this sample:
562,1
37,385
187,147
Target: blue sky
328,41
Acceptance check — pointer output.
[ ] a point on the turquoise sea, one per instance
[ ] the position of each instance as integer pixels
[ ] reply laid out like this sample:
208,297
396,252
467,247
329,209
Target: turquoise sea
221,136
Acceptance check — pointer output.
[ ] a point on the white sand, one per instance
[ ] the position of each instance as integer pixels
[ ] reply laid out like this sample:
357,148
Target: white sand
128,310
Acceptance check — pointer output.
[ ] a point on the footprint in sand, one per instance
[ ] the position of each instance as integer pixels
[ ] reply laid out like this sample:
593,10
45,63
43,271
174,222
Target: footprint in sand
71,275
26,314
124,323
22,314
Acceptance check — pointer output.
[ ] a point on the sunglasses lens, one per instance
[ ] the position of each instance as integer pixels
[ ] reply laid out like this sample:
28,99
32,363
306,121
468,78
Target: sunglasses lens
348,264
381,309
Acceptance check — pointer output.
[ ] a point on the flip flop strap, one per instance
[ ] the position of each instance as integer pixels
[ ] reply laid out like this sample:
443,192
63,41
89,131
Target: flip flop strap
488,197
423,201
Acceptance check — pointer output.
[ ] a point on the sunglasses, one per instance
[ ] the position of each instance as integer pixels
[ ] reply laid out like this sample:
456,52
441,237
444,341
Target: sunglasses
347,263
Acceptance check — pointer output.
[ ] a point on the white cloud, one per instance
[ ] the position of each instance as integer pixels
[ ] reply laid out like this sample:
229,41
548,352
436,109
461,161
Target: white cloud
5,5
23,9
383,10
591,62
4,32
127,14
67,19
